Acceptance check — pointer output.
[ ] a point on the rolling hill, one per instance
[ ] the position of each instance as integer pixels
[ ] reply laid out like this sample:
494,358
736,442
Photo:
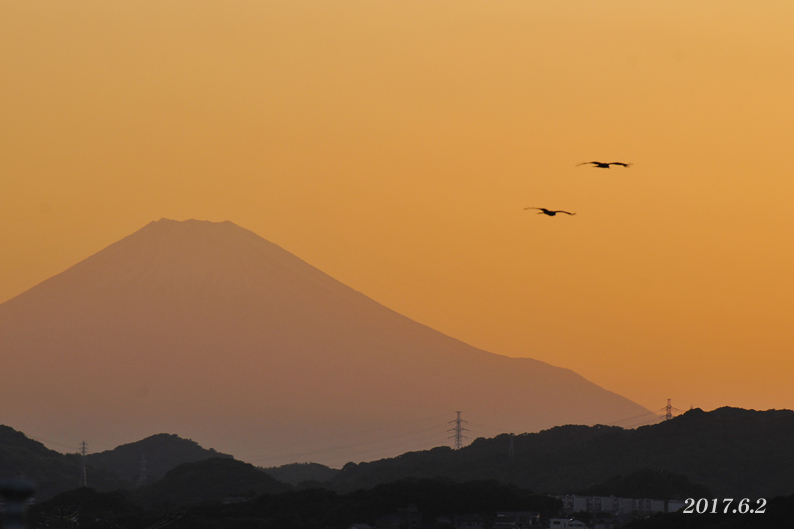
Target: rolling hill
161,453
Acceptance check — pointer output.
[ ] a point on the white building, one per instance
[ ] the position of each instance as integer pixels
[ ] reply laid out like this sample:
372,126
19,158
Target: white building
675,505
565,523
613,505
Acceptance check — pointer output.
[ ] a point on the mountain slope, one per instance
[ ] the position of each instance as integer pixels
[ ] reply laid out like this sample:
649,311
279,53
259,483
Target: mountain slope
209,330
51,471
161,453
209,479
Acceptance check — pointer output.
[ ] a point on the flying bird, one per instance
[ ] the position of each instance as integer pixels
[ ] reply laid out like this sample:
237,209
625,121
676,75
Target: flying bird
550,212
605,165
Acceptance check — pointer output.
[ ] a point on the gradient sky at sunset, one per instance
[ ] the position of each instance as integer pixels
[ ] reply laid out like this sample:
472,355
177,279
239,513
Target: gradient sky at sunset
394,145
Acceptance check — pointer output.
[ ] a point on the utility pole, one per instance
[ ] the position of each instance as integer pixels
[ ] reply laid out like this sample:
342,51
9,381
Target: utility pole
83,478
458,431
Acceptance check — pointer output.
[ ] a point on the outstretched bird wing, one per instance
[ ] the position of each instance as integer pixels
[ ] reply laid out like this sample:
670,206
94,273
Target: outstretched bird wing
621,163
585,163
552,212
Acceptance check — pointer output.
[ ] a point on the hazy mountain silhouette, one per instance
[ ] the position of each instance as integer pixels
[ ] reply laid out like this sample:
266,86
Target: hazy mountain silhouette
209,330
301,473
162,452
209,479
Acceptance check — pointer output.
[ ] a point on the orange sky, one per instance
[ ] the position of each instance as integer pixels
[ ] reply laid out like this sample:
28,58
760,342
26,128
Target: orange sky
394,146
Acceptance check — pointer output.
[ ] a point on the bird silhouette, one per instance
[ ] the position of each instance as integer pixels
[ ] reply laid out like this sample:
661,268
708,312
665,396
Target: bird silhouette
550,212
605,165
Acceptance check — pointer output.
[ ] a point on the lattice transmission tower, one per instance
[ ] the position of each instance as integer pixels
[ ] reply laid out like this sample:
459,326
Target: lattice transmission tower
458,431
83,477
668,410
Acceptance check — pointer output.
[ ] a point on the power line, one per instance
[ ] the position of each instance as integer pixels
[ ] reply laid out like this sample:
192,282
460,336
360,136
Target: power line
49,441
257,457
640,420
31,431
480,426
368,445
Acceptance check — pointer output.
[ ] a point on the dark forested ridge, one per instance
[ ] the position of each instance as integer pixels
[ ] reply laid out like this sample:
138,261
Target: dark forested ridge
322,508
209,479
162,452
310,509
51,471
730,451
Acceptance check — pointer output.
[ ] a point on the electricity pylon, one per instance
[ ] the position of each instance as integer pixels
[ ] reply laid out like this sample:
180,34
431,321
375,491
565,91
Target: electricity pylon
458,431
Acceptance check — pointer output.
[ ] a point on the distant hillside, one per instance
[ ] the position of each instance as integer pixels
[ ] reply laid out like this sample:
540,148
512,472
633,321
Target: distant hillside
730,451
162,451
54,473
297,473
210,479
309,509
51,471
432,498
